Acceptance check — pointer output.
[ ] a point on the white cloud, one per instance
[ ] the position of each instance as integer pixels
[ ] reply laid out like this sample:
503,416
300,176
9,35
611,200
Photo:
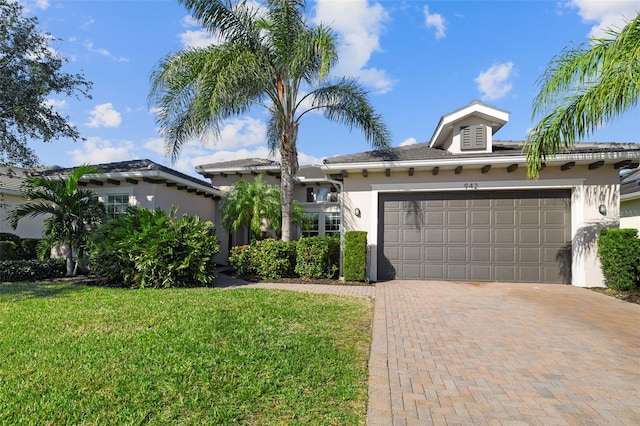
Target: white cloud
102,51
606,14
436,21
495,82
408,141
359,25
56,103
96,150
104,115
195,36
89,22
29,5
239,132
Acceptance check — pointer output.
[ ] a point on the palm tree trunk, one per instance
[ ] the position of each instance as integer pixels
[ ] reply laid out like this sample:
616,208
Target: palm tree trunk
68,252
289,167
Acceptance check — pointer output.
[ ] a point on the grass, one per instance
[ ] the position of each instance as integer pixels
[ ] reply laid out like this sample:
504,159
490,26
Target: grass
74,354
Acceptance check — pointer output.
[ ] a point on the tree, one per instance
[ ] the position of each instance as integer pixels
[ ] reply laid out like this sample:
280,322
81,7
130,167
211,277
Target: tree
268,58
254,204
73,211
30,71
584,88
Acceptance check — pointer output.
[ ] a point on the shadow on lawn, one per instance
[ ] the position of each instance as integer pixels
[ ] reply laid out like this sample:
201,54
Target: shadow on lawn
26,290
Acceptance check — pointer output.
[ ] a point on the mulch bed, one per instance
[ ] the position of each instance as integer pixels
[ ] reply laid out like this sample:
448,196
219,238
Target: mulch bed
627,296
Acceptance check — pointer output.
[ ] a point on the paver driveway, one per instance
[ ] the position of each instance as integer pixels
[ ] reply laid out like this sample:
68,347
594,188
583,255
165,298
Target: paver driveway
454,353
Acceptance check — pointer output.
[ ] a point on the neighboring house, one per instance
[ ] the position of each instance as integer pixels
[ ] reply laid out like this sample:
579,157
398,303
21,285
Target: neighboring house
11,179
148,184
630,200
461,208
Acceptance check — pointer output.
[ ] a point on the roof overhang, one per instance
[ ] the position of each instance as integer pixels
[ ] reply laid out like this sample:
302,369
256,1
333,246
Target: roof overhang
154,176
211,170
480,161
496,117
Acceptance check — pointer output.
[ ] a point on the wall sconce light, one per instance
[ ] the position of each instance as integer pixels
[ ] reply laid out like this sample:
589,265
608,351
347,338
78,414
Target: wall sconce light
602,209
357,212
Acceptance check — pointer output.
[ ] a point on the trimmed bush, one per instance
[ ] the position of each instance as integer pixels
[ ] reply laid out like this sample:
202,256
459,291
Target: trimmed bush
240,260
317,257
355,256
619,251
9,250
31,270
29,248
148,248
7,236
273,259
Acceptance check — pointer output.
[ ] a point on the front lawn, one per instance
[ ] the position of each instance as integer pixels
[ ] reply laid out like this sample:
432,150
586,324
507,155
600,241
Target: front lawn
74,354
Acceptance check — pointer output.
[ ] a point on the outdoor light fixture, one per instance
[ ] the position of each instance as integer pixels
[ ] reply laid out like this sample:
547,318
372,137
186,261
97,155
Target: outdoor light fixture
357,212
602,209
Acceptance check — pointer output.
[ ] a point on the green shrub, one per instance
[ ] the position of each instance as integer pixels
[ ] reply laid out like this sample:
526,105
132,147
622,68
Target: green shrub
31,270
29,248
148,248
273,259
240,260
9,250
355,255
317,257
6,236
619,251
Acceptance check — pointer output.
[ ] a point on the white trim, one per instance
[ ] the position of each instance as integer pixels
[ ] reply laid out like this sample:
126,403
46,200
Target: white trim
482,185
158,174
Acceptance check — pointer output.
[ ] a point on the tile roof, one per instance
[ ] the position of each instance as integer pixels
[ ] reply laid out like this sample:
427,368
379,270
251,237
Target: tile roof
128,166
630,182
422,151
11,178
247,163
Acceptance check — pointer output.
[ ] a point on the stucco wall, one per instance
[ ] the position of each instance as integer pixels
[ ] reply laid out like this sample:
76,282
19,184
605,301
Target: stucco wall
630,213
27,227
590,189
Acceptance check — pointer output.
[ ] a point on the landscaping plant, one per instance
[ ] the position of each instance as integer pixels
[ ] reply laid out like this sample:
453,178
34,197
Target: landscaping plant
619,251
152,248
355,255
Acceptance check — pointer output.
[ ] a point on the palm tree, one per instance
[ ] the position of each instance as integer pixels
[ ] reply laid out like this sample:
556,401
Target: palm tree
270,58
584,88
254,204
73,211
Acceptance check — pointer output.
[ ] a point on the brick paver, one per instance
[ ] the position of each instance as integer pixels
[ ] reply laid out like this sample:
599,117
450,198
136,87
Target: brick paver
504,354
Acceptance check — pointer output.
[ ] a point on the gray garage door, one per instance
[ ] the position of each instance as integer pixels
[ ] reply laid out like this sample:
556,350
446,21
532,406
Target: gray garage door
509,236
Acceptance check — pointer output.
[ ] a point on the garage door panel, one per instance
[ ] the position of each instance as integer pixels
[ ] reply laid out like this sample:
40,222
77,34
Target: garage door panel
529,255
434,254
504,236
457,254
457,272
480,236
480,272
504,254
457,218
504,218
529,236
434,236
481,254
456,236
411,235
515,236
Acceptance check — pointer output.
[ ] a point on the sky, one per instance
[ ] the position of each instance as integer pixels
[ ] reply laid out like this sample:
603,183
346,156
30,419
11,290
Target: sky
418,59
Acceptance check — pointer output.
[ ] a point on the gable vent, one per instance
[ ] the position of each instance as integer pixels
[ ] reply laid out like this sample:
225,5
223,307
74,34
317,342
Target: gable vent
473,137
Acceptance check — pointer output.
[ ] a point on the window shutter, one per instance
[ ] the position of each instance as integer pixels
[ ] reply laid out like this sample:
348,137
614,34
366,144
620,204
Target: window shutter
473,137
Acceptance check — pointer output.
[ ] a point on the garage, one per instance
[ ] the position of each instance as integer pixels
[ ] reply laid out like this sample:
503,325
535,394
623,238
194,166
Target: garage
507,236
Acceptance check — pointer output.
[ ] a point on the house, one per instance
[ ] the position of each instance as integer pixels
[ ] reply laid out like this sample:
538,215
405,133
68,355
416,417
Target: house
11,179
460,207
630,200
317,193
142,183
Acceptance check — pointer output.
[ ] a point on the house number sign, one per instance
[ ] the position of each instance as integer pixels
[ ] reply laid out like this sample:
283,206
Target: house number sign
472,185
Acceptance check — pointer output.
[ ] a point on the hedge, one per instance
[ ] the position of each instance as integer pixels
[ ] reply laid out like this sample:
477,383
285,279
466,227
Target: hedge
355,256
619,251
31,270
317,257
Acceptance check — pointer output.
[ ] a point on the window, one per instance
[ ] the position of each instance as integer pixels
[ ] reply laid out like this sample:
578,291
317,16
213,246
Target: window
116,204
314,225
332,223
